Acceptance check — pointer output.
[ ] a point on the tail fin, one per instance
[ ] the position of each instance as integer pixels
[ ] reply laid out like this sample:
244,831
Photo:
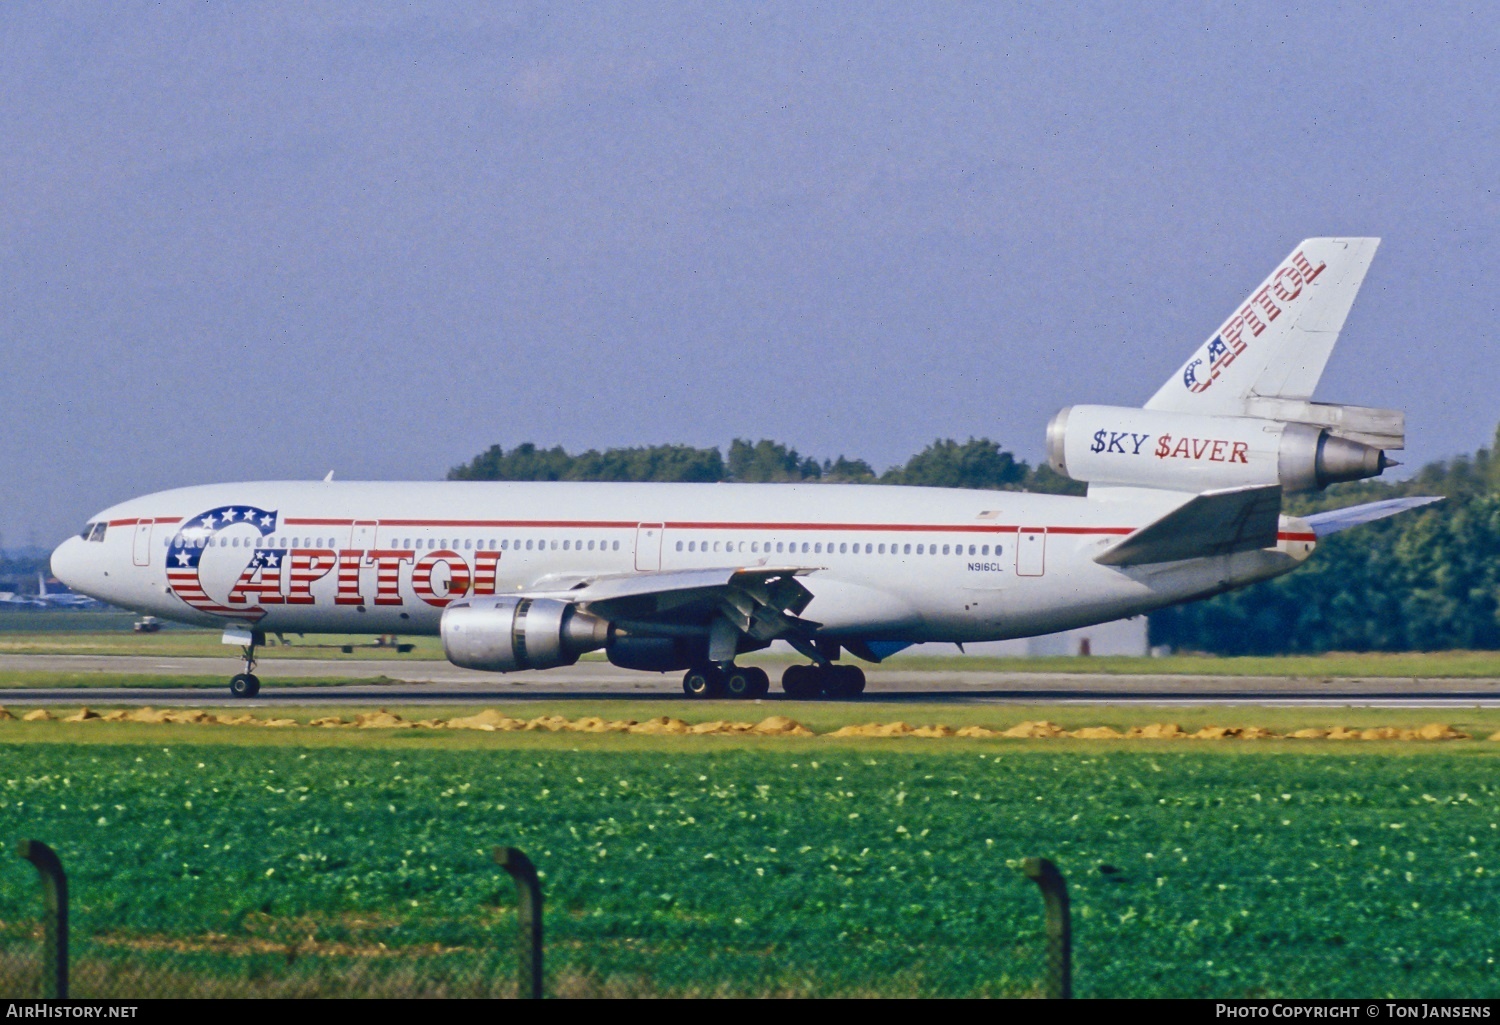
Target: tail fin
1275,345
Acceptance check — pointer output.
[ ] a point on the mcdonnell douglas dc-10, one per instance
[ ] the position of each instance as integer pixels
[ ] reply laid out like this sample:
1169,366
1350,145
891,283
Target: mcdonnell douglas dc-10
1184,501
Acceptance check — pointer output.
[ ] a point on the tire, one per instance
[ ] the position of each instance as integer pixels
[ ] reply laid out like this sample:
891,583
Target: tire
739,683
843,681
245,685
762,683
703,683
801,682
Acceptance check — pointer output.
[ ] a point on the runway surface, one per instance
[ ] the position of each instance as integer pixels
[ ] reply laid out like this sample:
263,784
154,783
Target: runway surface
431,682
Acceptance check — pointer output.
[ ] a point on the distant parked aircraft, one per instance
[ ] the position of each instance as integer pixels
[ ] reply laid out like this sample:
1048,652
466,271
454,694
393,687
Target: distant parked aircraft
60,599
12,600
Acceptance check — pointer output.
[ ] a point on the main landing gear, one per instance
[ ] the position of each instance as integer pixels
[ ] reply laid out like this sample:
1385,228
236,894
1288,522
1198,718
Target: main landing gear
731,681
246,684
831,681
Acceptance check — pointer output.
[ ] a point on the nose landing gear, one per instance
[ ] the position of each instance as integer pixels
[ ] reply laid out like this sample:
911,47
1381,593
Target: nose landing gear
246,684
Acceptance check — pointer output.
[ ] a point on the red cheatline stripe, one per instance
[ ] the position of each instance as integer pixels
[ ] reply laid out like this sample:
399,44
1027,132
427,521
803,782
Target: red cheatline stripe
997,528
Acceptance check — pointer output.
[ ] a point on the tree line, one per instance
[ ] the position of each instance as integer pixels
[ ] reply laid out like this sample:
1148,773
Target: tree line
1421,581
1426,580
976,463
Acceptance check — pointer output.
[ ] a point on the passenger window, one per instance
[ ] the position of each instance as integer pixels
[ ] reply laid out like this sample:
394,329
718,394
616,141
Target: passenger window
754,546
616,546
844,548
818,548
528,545
984,550
565,545
679,546
882,550
945,549
716,546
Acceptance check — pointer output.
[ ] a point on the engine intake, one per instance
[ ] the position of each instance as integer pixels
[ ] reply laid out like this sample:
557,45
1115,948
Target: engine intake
1185,452
506,634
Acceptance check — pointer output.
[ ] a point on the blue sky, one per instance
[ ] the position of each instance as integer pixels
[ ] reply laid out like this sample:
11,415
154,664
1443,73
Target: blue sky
248,242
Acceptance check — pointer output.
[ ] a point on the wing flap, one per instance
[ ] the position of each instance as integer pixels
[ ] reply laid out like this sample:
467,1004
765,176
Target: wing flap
1211,524
760,601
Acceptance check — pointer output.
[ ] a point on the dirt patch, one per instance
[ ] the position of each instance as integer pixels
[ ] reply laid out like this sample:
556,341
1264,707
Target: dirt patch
1157,731
1097,733
1043,730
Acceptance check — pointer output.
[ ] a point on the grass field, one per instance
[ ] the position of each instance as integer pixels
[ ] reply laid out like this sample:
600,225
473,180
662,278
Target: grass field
223,860
96,633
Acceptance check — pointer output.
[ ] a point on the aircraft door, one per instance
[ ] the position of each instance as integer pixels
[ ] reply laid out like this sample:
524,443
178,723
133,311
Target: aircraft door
648,546
141,553
362,535
1031,551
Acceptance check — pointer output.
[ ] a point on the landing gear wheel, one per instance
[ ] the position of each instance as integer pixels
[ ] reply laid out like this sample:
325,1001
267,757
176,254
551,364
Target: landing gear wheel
739,682
843,681
802,682
704,682
245,685
761,685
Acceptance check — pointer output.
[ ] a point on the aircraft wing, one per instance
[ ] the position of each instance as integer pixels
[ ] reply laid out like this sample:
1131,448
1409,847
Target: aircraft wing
1213,523
1335,520
762,602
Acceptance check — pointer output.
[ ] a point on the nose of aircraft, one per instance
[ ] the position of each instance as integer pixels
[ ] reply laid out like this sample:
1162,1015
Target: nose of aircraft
68,565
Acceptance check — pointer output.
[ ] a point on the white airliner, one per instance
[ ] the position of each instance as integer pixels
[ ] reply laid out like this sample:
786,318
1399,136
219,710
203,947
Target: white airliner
1184,501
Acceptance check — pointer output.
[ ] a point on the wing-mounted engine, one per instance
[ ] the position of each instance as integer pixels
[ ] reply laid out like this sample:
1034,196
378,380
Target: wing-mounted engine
652,621
1113,445
508,633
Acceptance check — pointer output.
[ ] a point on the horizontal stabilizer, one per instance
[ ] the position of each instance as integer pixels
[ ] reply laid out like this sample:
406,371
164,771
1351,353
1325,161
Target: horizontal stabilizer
1335,520
1213,523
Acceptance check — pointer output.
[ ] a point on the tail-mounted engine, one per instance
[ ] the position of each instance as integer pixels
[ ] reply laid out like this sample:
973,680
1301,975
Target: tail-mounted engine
1187,452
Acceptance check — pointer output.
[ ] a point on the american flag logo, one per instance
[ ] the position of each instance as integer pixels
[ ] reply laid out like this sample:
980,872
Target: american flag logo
195,536
1220,354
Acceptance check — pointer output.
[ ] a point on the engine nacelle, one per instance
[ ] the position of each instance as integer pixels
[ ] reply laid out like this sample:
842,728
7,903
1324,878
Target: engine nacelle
1185,452
505,634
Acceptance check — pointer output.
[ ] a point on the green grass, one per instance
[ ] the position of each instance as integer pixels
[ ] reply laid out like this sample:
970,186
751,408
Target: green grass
67,636
1433,664
26,679
187,643
236,861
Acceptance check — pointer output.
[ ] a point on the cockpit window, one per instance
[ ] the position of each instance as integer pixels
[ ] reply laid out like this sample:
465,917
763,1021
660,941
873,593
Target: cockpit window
93,531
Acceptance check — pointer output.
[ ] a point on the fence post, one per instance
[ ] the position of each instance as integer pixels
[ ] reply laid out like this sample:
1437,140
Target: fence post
55,920
529,918
1059,926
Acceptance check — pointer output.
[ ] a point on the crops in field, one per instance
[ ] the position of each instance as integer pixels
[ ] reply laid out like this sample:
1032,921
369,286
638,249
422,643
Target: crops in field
866,869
